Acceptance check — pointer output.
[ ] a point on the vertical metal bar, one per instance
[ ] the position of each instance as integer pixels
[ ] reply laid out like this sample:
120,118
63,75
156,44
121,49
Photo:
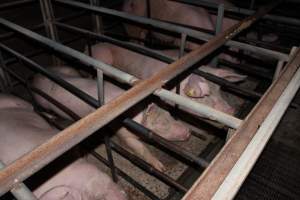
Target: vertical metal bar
97,20
48,18
110,158
4,77
218,29
20,191
252,4
181,53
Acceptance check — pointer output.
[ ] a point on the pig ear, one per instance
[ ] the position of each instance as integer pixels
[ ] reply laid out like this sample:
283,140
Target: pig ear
230,76
61,193
196,87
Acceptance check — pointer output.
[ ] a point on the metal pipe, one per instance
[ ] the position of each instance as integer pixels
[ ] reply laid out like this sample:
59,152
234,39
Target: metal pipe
146,133
69,137
172,27
15,4
147,167
20,190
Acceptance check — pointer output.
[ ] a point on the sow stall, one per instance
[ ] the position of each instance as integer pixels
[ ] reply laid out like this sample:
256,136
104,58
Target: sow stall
222,176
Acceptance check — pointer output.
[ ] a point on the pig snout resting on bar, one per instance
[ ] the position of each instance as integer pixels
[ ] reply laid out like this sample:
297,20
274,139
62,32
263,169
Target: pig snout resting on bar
194,86
21,130
152,117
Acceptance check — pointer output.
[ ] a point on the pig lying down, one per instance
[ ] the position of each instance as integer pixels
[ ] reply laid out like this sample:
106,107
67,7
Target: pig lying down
181,13
153,117
194,86
21,127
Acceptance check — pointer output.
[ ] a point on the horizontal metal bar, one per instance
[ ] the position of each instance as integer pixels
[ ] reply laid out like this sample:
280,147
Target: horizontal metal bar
201,109
172,27
146,133
127,177
71,136
147,167
110,71
237,10
15,4
20,191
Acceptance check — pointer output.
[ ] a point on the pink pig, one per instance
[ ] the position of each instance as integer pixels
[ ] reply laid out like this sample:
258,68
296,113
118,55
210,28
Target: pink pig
153,117
21,127
194,86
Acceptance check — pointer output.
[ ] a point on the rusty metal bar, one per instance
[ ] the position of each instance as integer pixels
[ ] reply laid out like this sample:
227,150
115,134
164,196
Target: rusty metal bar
20,191
66,139
207,185
172,27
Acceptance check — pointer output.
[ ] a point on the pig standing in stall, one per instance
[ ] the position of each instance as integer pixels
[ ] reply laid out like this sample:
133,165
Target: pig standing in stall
21,127
153,117
194,86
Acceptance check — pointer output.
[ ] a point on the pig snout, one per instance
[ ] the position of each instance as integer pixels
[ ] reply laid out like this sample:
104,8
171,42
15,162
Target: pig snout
178,132
162,123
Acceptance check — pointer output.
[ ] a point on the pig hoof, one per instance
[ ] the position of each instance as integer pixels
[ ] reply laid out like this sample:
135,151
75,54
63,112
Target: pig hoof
159,166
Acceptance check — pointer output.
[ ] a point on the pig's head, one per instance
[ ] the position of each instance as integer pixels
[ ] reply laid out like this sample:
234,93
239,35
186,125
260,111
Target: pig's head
207,92
162,123
135,7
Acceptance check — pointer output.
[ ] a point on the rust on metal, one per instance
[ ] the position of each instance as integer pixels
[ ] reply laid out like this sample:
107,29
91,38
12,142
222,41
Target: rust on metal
215,174
66,139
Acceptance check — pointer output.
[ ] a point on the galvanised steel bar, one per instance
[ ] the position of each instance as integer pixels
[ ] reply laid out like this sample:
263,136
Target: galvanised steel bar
215,175
74,134
146,133
127,178
203,110
172,27
244,11
20,190
160,56
147,167
15,4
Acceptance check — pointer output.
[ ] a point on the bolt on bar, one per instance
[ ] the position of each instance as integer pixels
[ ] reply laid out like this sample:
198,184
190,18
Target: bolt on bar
172,27
74,134
204,110
20,190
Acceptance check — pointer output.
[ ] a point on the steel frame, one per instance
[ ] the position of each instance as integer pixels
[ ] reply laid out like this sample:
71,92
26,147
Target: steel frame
45,153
